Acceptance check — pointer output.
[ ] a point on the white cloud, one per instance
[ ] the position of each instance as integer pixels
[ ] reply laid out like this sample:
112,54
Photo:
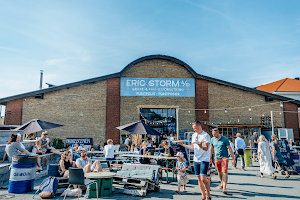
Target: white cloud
12,49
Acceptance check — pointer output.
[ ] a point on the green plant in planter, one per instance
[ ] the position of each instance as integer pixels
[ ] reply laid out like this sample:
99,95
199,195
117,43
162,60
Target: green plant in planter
57,143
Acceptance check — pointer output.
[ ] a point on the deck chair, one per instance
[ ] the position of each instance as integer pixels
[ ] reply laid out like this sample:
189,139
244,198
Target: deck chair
76,177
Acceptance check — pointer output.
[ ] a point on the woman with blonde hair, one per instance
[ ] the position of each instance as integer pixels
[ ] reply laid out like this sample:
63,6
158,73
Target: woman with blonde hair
264,156
277,156
65,163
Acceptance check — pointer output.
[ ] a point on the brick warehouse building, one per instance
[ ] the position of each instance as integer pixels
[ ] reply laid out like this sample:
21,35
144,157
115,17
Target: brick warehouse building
155,88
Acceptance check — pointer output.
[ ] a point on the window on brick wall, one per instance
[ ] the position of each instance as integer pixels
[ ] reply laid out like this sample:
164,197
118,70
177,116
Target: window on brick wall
161,119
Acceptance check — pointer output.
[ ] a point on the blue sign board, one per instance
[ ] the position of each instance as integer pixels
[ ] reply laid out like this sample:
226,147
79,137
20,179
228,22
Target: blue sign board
162,87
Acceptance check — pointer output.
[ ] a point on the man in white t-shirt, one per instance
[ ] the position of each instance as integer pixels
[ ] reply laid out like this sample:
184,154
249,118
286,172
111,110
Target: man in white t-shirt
109,150
85,163
200,145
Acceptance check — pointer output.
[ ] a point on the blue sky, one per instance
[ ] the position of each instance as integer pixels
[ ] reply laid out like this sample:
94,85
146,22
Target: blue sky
244,42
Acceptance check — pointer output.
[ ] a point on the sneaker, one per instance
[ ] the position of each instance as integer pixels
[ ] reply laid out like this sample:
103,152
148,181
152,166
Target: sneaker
37,173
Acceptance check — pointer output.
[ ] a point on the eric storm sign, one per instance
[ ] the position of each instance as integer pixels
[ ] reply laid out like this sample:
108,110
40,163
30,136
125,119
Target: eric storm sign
164,87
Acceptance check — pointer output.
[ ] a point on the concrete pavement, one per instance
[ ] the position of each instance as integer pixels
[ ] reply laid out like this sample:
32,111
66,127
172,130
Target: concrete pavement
241,185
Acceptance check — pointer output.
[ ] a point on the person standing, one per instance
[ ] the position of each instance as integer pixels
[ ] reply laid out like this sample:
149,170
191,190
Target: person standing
127,143
277,156
253,144
264,157
220,146
239,150
109,150
181,169
200,145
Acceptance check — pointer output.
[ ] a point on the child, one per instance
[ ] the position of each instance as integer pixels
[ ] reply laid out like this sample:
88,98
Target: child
181,168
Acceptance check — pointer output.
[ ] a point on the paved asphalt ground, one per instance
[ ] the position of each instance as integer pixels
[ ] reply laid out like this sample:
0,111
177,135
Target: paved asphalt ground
241,185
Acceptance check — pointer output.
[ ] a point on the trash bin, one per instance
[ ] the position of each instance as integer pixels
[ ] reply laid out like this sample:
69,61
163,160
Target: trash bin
248,158
22,173
53,170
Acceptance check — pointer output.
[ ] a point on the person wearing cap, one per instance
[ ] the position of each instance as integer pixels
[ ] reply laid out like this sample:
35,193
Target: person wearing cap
220,146
181,168
200,145
85,163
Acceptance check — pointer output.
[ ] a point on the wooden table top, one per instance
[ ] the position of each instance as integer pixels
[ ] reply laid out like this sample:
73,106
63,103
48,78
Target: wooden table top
96,175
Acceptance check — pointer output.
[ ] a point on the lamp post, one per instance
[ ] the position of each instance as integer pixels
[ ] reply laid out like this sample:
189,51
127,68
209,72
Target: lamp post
177,125
272,122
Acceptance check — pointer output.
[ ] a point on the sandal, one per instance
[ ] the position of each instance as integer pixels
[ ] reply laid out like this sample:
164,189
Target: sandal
224,192
274,177
220,187
177,192
208,198
287,176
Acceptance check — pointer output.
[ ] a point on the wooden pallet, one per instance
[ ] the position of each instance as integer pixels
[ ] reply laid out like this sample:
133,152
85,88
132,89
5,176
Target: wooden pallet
134,186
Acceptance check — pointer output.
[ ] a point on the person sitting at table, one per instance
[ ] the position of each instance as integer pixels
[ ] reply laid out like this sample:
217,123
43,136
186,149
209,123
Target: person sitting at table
168,150
170,138
149,142
76,151
85,163
100,147
109,150
144,151
77,148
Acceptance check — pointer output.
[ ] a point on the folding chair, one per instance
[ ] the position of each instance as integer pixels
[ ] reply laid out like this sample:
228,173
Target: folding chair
76,177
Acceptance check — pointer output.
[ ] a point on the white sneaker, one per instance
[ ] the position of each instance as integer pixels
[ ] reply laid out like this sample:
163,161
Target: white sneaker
37,173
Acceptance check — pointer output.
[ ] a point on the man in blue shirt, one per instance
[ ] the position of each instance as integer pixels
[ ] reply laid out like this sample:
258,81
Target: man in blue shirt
220,146
239,149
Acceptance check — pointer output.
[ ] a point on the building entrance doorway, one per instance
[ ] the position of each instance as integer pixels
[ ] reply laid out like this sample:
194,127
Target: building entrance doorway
161,119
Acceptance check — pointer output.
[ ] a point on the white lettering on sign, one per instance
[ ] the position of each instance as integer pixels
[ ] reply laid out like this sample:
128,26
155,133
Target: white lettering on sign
177,87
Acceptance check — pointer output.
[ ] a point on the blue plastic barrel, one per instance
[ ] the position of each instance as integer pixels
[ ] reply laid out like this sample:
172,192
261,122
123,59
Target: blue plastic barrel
53,170
22,173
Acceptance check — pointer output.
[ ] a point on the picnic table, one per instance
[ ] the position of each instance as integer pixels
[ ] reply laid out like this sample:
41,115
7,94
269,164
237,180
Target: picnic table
104,181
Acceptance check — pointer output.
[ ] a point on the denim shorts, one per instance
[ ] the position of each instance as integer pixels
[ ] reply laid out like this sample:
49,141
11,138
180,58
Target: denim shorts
201,168
254,151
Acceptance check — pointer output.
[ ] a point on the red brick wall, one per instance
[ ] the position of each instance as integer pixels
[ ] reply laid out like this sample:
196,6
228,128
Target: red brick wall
201,102
13,113
113,110
291,119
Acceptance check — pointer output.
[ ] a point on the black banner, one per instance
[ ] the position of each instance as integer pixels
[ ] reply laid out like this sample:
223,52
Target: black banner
81,141
285,152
